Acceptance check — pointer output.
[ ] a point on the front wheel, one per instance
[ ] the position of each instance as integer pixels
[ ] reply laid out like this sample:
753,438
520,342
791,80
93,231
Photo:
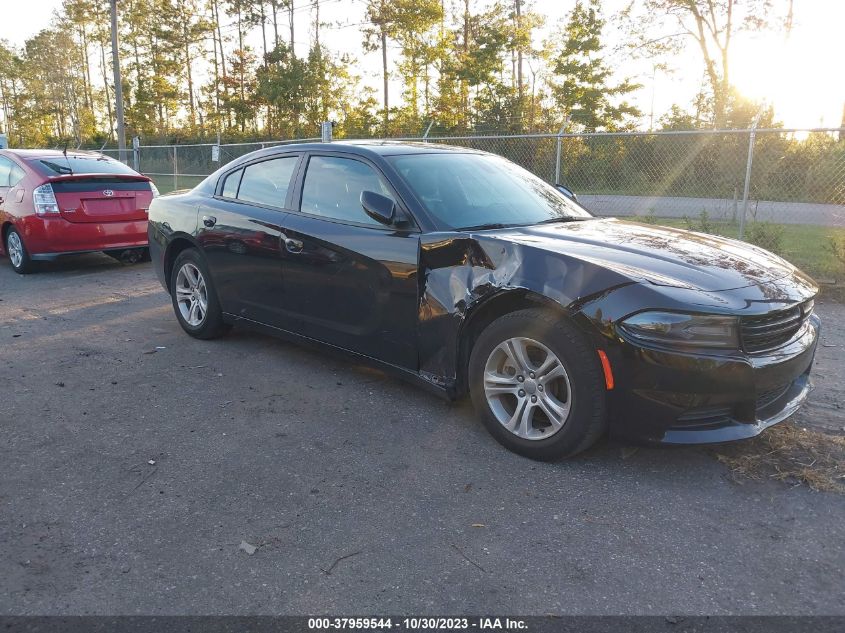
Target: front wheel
537,385
194,298
18,255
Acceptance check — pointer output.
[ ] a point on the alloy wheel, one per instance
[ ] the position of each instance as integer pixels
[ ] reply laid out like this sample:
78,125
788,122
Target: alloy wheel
191,294
14,248
527,388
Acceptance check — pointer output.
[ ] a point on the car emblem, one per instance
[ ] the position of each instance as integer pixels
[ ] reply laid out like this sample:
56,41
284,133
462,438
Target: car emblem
108,193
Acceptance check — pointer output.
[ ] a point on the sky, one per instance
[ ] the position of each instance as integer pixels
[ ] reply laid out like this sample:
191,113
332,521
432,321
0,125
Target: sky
802,77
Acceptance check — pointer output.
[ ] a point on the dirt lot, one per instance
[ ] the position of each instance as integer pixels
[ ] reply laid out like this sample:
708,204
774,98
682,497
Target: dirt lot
135,461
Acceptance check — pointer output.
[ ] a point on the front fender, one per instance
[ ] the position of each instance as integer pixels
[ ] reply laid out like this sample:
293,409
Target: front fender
461,272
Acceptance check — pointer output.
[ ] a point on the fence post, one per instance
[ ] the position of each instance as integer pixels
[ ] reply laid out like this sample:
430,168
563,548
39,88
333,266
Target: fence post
136,153
427,130
559,144
736,200
748,165
175,170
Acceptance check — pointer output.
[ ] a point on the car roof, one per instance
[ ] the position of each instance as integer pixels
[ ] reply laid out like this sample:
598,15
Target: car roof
379,148
50,153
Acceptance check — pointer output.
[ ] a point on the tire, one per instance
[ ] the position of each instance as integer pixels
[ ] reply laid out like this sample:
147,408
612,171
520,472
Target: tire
16,250
568,384
190,286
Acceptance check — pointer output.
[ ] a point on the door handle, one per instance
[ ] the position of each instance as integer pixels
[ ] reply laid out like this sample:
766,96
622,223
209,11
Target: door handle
209,220
293,246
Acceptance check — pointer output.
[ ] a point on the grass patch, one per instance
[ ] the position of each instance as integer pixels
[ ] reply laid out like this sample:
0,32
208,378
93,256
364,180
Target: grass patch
804,245
166,184
792,454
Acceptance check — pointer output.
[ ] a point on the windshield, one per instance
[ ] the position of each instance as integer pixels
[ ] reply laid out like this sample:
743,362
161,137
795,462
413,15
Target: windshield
60,166
466,191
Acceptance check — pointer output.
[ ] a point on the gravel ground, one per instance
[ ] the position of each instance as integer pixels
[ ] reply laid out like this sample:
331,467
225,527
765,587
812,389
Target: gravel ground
825,409
135,461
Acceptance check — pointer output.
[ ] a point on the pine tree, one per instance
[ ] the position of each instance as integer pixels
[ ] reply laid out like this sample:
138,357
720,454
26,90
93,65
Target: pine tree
582,84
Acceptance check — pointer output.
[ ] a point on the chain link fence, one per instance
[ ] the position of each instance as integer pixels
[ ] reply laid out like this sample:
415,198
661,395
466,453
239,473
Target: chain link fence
783,189
174,167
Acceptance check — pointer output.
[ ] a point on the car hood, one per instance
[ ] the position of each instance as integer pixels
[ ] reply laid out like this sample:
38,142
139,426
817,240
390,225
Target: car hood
656,254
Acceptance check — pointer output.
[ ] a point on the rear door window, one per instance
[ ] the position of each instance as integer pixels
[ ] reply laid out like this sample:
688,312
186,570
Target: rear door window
267,182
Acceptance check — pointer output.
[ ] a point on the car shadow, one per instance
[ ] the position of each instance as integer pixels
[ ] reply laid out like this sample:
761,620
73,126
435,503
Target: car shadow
457,418
86,262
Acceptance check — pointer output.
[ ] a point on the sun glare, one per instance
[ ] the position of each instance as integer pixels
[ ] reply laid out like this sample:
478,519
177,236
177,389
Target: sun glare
798,75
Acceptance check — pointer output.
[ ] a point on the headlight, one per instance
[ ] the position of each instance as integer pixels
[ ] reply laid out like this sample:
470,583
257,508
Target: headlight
688,330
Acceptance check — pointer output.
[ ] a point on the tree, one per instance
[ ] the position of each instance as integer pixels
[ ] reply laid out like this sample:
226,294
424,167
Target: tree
11,70
414,21
663,26
581,83
191,28
381,14
242,55
524,22
282,85
471,62
240,98
189,69
75,18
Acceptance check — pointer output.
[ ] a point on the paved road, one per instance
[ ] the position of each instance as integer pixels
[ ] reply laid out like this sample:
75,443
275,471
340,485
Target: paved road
832,215
312,458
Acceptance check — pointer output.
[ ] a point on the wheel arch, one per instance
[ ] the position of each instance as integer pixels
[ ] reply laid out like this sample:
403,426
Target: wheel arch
4,231
174,247
488,310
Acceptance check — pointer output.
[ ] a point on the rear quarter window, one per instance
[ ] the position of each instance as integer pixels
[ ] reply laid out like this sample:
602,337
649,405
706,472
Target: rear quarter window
5,171
16,175
231,184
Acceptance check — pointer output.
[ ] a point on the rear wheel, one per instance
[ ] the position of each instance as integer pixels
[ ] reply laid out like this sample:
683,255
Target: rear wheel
18,255
194,298
537,385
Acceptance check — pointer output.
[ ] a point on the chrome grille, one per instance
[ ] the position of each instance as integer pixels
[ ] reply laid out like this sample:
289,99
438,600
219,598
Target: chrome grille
768,331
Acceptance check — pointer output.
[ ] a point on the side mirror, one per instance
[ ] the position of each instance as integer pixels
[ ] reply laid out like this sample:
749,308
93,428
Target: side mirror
566,191
380,208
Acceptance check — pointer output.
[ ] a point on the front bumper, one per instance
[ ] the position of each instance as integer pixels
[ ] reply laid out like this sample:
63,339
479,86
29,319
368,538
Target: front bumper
48,237
680,398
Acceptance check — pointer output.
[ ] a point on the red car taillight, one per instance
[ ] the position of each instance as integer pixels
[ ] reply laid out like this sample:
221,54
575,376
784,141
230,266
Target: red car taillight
45,200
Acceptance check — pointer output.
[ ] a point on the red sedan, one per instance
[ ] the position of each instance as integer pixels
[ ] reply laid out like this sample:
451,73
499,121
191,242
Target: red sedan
54,203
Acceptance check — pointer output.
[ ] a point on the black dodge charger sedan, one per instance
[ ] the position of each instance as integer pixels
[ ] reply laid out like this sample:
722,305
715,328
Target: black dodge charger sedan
466,273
